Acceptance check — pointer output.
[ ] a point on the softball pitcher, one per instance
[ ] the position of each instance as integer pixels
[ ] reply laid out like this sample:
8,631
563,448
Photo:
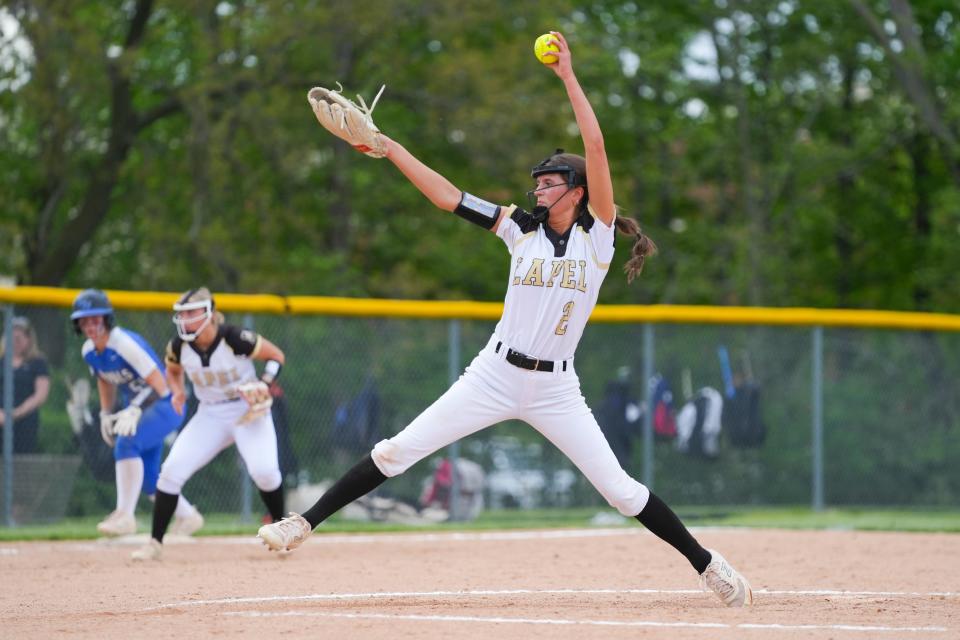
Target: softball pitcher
234,407
560,253
125,365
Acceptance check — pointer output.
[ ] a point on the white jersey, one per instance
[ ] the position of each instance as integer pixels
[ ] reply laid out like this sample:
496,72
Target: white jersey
126,361
553,287
218,371
554,282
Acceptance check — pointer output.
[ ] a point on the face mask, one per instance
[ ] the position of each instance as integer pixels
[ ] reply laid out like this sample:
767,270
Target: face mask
181,320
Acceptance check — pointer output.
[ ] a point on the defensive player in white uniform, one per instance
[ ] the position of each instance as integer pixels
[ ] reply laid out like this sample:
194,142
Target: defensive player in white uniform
234,407
560,255
129,377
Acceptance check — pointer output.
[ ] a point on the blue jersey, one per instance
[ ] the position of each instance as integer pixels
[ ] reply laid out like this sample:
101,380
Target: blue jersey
126,362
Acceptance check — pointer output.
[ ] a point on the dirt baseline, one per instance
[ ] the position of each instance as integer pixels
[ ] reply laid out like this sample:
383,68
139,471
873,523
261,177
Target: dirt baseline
588,583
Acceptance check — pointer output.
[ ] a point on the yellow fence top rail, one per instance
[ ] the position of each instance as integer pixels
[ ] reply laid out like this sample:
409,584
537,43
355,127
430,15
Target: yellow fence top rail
142,300
468,310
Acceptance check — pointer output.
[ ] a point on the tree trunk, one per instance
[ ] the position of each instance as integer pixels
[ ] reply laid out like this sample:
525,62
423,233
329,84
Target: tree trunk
918,149
341,193
845,196
909,68
50,265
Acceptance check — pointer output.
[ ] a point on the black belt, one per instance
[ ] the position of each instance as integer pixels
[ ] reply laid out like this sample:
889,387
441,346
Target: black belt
523,361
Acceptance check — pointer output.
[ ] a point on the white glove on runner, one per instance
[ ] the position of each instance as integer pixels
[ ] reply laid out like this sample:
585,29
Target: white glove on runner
126,421
106,427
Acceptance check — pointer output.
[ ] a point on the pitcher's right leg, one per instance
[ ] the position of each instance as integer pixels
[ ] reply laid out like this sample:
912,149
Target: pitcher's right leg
468,406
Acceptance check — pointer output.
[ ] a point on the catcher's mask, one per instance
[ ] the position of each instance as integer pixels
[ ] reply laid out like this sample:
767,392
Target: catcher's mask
89,303
574,170
193,299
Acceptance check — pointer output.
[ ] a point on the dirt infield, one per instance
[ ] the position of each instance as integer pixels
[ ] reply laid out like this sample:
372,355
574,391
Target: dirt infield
589,583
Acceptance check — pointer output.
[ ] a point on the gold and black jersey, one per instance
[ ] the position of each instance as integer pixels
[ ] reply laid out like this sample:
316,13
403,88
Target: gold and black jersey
216,372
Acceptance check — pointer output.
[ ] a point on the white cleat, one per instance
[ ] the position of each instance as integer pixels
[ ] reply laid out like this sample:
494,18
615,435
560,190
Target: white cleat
731,587
187,525
118,523
286,535
149,552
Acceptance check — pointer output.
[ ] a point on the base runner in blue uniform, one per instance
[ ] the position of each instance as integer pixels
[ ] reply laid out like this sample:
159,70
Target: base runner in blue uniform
135,410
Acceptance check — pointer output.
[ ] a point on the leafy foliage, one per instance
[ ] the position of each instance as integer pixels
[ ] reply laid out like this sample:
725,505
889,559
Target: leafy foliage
780,153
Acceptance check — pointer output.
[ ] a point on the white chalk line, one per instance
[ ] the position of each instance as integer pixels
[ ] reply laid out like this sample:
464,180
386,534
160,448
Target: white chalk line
319,597
338,538
598,623
374,538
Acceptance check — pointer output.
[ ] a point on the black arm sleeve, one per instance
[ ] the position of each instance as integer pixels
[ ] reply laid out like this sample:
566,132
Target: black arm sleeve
479,212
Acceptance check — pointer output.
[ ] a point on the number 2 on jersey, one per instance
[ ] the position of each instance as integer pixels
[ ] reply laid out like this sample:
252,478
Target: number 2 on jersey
562,325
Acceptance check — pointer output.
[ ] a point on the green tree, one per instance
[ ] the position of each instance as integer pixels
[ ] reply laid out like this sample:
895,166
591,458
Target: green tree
780,153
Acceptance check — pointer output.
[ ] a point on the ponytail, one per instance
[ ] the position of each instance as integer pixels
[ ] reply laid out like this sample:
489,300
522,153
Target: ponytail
643,246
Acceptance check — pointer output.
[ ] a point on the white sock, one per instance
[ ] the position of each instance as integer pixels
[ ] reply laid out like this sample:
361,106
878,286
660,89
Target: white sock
129,481
184,508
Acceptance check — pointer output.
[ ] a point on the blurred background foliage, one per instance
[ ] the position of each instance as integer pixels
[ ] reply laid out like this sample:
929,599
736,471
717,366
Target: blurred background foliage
779,152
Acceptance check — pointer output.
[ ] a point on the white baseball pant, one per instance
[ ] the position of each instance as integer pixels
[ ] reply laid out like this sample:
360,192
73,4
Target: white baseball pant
492,390
211,430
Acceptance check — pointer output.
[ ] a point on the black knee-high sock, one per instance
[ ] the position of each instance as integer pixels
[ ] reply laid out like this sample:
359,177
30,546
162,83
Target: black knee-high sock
664,523
274,502
164,504
363,478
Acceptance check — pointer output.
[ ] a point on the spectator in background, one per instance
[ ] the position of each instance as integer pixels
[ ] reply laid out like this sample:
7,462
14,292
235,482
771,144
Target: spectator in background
356,424
438,491
31,386
86,430
614,416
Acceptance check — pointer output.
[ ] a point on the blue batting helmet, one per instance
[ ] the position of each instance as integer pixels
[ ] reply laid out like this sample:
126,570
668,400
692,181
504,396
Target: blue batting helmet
92,302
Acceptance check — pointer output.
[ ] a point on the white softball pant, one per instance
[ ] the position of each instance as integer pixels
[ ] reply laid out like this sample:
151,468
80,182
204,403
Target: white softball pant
212,429
492,390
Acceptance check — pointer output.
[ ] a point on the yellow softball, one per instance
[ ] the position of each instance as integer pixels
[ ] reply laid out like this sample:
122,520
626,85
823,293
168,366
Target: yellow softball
544,49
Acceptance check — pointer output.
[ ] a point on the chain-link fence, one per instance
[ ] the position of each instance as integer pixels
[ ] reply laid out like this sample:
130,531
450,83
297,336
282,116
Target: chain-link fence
887,431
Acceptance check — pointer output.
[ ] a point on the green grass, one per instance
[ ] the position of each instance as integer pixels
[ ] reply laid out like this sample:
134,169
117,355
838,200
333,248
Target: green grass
947,521
861,519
